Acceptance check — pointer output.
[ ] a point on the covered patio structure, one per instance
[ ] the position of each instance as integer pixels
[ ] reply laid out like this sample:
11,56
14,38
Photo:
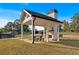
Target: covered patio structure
37,19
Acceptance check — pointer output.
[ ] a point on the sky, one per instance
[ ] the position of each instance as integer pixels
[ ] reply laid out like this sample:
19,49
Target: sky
12,11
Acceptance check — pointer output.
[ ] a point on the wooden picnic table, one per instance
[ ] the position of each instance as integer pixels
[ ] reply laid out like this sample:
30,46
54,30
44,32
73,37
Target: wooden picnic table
39,37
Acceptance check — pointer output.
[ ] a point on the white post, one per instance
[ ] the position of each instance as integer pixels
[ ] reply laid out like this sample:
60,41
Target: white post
44,34
56,32
21,30
47,33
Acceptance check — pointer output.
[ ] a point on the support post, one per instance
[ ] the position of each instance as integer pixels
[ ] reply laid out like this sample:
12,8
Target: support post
33,31
21,30
47,33
44,33
56,32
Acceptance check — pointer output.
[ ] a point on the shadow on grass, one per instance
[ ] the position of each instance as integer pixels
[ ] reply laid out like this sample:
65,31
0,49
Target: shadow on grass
73,43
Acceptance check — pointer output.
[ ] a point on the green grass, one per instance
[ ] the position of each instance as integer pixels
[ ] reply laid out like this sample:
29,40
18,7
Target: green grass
19,47
25,36
70,42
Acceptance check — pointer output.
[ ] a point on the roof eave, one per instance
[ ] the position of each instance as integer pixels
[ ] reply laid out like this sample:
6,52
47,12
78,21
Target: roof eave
35,14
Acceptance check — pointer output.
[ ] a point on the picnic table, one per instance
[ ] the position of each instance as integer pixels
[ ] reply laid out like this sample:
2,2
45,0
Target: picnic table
39,37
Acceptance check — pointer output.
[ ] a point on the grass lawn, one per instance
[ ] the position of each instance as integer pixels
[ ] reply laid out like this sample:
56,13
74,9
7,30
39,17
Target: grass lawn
19,47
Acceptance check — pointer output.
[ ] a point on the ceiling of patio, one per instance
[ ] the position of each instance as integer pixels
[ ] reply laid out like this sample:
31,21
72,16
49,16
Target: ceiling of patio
42,22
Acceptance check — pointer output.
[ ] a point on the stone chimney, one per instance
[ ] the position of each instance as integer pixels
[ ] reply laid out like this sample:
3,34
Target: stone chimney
53,13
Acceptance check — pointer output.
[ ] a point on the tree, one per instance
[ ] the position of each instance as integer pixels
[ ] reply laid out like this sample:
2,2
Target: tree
66,26
18,26
75,23
15,27
8,27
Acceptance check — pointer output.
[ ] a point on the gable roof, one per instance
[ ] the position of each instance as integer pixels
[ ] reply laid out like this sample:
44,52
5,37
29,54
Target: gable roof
35,14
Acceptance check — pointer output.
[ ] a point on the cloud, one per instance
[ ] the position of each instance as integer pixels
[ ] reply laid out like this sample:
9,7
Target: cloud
67,18
3,22
43,13
9,10
7,15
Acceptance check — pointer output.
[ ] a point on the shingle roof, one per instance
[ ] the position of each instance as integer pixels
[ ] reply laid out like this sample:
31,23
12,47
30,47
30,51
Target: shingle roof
35,14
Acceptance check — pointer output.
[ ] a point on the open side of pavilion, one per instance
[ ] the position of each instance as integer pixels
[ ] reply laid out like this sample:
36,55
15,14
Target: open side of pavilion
37,19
